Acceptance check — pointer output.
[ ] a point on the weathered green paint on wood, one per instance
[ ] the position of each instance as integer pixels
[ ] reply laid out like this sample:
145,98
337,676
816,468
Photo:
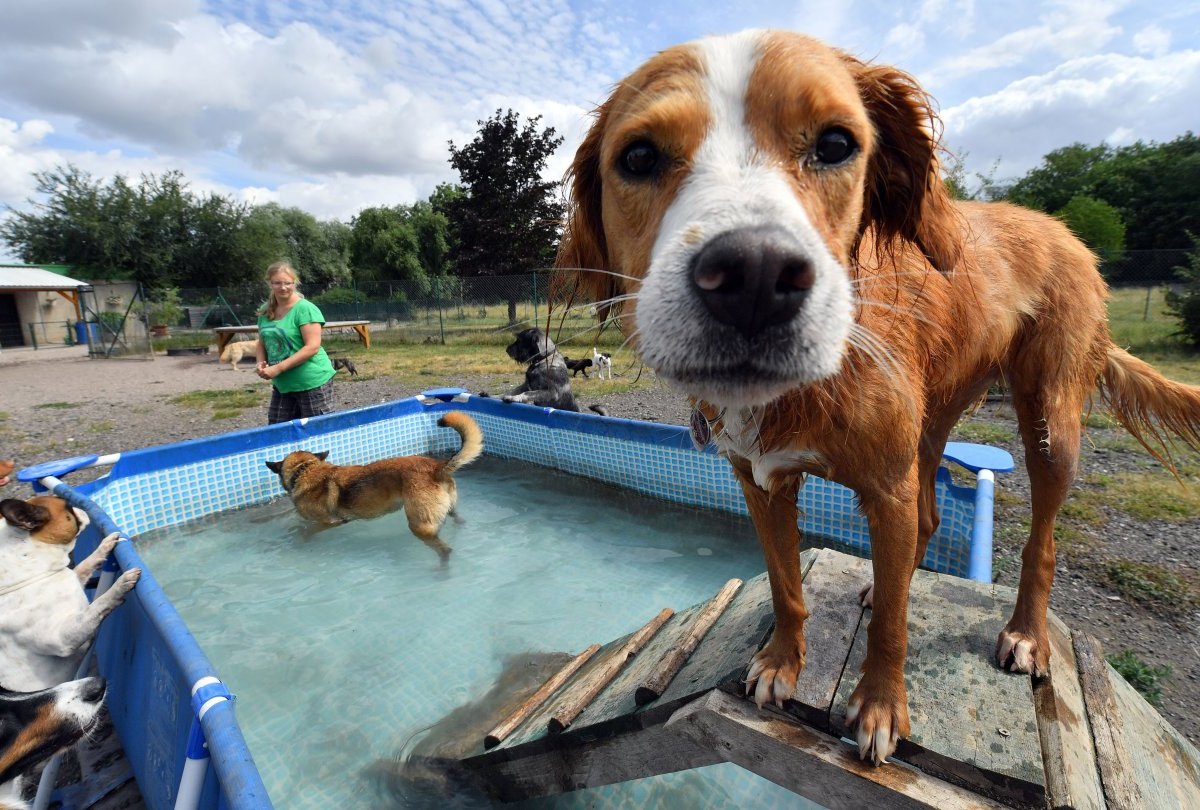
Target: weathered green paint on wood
1121,789
1165,765
971,722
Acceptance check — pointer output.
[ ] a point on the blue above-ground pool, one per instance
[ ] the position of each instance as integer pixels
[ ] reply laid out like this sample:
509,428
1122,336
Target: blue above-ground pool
160,681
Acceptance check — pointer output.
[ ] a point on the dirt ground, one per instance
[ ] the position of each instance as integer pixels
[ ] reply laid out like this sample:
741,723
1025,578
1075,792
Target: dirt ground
57,402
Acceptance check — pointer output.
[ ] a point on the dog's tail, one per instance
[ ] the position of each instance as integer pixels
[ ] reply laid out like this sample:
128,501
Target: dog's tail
1154,409
600,409
472,440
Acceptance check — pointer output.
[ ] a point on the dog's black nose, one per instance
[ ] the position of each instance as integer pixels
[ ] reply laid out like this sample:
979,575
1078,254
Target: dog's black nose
93,689
752,278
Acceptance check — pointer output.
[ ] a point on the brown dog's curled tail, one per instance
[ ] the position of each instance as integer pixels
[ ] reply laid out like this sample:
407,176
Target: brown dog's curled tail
472,440
1151,407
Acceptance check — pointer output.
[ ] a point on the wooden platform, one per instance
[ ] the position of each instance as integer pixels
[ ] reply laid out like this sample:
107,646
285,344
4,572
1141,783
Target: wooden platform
225,334
981,737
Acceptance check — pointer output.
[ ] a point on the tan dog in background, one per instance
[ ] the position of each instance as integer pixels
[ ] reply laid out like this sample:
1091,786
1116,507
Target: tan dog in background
424,487
235,351
772,212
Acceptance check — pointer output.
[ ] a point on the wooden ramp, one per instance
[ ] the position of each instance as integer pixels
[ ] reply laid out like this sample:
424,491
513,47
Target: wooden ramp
669,697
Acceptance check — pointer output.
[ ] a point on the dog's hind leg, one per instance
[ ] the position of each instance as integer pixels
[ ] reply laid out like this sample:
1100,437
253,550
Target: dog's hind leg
1050,431
428,534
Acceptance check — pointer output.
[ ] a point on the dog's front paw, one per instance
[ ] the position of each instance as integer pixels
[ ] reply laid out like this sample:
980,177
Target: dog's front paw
124,583
880,713
508,399
108,544
1023,651
484,394
774,670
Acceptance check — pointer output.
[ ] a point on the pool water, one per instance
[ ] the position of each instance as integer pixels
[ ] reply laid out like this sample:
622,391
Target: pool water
343,644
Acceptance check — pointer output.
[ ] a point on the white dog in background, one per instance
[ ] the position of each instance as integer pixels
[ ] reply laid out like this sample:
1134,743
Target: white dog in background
603,363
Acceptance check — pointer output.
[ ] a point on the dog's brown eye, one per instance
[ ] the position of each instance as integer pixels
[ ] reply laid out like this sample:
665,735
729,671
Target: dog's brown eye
639,159
835,146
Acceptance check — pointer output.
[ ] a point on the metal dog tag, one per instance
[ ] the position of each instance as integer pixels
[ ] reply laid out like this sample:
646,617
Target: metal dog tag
699,430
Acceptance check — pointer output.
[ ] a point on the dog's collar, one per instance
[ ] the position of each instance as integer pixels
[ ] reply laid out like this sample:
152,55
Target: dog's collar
301,467
16,586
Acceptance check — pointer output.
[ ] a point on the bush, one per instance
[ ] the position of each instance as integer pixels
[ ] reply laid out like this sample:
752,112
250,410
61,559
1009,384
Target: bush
1184,301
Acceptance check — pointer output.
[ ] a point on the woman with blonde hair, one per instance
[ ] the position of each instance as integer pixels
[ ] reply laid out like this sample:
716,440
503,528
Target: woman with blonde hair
289,350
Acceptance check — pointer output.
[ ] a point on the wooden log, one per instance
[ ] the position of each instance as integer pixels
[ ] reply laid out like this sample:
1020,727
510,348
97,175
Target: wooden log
497,734
578,699
1120,785
679,652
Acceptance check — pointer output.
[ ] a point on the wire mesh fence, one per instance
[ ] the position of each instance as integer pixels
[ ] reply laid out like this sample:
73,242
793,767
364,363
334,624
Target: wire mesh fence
444,309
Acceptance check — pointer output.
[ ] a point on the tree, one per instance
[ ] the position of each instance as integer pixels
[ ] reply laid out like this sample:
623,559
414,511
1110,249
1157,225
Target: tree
319,253
1097,223
383,246
1185,301
508,217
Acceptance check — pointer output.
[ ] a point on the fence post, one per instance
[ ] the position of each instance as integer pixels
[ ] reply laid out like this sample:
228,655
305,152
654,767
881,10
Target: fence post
535,309
1149,292
437,293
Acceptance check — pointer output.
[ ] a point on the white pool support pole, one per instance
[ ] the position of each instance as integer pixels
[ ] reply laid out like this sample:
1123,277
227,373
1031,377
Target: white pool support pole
207,692
108,573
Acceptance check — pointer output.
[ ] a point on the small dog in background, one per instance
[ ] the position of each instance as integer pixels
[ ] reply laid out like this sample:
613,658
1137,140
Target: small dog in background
424,487
234,352
346,363
577,366
546,380
603,363
36,725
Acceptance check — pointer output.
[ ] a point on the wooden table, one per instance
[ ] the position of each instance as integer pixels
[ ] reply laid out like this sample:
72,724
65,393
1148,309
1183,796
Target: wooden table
225,334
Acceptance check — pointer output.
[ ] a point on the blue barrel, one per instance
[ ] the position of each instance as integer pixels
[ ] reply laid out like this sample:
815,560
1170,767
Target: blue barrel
81,335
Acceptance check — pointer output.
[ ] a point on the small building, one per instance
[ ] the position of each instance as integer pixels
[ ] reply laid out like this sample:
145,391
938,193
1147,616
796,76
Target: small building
40,303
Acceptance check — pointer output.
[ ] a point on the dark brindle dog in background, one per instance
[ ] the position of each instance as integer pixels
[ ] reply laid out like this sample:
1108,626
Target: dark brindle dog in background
546,380
577,366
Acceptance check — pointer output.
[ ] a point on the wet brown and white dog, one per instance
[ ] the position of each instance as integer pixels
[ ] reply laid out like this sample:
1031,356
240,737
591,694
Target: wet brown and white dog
46,622
772,210
36,725
424,487
234,352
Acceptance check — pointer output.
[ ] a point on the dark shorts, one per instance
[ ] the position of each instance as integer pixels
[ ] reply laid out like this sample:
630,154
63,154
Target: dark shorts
300,404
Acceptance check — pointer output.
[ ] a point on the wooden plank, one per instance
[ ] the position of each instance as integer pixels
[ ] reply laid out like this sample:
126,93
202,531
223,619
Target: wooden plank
809,762
972,723
724,658
1166,766
577,762
570,704
831,594
1116,773
667,666
1068,755
510,724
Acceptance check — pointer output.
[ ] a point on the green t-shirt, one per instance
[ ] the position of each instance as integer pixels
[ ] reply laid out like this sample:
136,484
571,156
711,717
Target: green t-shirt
282,339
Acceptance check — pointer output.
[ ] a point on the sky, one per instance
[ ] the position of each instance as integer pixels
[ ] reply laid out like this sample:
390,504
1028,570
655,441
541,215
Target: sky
335,106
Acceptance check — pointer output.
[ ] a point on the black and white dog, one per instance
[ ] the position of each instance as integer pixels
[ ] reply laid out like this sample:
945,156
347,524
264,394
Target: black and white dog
546,380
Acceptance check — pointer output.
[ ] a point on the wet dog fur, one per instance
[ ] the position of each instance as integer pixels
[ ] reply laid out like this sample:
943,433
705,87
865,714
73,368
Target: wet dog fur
330,494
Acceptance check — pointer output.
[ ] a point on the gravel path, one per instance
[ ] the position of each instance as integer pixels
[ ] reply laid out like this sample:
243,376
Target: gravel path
109,405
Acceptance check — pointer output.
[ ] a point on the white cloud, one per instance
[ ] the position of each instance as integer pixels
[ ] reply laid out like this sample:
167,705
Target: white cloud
1152,41
1086,99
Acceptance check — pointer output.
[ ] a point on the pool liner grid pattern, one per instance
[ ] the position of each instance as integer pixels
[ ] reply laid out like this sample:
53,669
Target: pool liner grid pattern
187,492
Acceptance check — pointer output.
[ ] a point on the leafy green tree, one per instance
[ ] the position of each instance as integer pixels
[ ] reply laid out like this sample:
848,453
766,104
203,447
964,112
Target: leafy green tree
1184,301
1097,223
384,246
507,219
299,237
1064,173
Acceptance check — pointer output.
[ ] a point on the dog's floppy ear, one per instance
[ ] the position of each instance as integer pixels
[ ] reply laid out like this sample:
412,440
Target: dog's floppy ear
905,194
29,517
324,454
583,248
275,466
